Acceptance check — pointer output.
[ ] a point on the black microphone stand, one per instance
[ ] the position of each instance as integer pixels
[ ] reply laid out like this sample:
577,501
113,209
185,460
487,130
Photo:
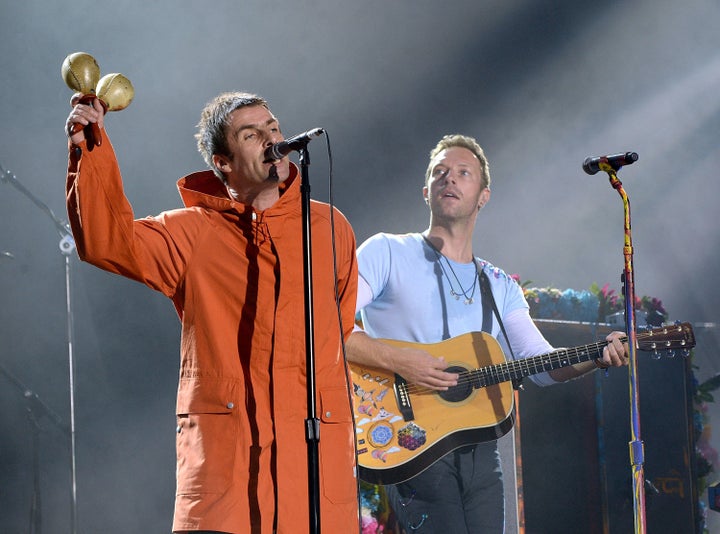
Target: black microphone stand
312,423
67,246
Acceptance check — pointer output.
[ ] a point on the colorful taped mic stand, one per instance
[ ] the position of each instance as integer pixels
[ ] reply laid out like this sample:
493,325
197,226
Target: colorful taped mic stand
637,448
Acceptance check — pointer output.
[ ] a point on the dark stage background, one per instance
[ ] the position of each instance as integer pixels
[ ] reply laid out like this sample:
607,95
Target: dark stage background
540,86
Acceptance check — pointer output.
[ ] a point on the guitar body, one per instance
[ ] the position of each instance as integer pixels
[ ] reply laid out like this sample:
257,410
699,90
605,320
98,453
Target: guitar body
403,429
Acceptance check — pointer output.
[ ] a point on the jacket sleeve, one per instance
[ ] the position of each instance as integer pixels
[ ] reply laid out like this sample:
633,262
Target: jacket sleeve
105,230
347,275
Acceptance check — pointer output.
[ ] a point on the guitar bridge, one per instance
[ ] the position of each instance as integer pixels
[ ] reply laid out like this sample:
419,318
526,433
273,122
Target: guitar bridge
402,398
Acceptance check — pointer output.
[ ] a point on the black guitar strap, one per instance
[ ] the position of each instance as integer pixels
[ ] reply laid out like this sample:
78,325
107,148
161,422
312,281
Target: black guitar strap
489,308
488,301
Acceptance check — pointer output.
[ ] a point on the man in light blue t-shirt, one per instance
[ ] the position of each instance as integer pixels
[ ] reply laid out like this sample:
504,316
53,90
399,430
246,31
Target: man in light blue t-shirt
425,288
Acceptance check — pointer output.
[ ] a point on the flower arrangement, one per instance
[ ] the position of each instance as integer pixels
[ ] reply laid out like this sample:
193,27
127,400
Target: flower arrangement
595,304
569,305
373,508
610,302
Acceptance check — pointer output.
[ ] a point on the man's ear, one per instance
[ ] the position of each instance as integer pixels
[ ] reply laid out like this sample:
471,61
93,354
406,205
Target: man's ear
425,195
484,198
221,162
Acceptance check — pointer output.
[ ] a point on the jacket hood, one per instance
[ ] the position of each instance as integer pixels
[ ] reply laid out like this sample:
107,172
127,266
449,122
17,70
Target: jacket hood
205,190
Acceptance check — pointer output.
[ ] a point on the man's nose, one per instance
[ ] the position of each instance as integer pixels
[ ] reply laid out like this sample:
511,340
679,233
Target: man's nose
448,176
273,137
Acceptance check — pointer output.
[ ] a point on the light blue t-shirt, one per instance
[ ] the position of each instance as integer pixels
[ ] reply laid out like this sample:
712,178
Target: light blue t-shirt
412,291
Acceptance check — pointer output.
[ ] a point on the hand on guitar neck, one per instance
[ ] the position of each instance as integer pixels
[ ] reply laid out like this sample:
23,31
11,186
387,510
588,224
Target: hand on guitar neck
615,354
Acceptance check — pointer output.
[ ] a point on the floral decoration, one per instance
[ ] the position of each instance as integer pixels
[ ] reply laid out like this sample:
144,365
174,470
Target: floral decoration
610,302
595,304
373,508
569,305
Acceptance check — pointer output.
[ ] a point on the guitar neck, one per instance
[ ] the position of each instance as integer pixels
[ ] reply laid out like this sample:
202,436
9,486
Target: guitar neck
518,369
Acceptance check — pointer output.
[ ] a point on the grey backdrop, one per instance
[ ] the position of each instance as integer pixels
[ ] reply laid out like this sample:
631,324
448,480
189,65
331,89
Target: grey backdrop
541,86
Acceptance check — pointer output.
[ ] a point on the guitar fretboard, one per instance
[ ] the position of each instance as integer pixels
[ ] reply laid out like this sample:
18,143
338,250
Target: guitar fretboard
517,369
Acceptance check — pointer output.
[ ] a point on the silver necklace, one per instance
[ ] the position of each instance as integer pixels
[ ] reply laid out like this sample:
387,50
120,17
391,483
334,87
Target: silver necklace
469,299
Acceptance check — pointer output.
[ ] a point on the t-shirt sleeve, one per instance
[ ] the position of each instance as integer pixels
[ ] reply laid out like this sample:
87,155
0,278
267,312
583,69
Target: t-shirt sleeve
374,263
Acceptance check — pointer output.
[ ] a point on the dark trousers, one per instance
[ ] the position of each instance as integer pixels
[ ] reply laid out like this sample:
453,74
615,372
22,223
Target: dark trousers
462,493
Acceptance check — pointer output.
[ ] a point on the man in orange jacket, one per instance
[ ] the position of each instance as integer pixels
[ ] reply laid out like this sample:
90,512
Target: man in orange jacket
231,262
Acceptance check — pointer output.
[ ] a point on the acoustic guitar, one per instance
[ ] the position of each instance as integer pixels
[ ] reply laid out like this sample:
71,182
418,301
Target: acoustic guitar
402,429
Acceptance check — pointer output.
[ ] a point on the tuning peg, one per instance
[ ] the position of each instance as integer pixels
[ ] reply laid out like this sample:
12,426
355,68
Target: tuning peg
655,354
671,353
685,353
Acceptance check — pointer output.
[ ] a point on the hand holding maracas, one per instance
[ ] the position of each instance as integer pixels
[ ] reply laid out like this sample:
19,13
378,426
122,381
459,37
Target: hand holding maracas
114,91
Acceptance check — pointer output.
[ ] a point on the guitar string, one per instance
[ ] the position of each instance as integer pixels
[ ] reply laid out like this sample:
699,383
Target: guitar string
515,366
468,299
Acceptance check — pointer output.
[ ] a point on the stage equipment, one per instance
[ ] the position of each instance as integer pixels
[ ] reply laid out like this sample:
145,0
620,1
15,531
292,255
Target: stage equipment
312,423
714,496
35,409
575,435
592,165
67,246
297,142
610,165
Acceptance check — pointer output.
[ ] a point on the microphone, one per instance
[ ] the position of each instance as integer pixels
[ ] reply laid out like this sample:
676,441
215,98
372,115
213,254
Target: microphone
592,165
283,148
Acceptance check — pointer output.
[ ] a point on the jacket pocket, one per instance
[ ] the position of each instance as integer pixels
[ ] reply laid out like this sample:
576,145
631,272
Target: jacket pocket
337,447
207,434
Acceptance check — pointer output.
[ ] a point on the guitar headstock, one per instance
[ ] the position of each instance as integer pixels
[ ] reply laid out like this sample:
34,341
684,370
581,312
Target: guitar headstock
668,338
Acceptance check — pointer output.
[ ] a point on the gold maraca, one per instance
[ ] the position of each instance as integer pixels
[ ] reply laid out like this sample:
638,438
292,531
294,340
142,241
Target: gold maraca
81,72
114,91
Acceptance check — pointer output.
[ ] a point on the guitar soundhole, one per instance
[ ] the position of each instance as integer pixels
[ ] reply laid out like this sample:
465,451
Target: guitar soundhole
463,389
